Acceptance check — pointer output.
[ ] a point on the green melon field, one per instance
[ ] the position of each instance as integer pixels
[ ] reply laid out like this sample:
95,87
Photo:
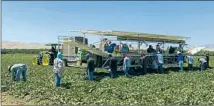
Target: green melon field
174,88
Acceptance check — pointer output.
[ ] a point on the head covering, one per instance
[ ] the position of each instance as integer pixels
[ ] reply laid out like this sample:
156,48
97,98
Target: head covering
59,55
9,68
88,55
178,52
125,55
143,54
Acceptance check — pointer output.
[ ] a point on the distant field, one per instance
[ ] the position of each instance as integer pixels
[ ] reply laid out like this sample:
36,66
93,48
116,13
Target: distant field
174,88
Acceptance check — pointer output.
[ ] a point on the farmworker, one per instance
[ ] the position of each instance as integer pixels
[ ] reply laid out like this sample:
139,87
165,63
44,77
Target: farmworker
111,48
171,50
158,48
53,50
124,48
203,64
113,66
117,49
90,67
58,69
160,62
39,59
180,60
93,46
126,65
88,55
17,70
143,63
150,49
131,47
181,48
190,61
106,46
208,60
51,58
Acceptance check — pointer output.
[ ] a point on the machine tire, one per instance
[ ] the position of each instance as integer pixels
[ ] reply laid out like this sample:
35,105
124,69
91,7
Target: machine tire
66,62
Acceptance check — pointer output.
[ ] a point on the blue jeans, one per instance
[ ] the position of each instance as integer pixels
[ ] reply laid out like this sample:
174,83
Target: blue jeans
202,67
17,73
113,73
160,68
90,75
180,63
57,80
126,71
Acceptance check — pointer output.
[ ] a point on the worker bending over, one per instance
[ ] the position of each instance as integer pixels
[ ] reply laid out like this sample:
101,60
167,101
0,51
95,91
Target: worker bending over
90,68
17,70
203,64
58,69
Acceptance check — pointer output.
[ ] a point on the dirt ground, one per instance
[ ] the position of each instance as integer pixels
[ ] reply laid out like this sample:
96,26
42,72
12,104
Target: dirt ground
9,100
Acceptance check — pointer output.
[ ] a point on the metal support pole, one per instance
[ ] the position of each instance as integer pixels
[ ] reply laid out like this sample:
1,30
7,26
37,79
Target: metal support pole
84,38
58,42
138,44
102,48
68,48
163,47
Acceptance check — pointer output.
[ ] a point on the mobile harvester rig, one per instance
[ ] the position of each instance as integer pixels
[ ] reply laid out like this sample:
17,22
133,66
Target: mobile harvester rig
74,49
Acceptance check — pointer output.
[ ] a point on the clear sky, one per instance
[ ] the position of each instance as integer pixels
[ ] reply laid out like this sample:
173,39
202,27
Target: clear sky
43,21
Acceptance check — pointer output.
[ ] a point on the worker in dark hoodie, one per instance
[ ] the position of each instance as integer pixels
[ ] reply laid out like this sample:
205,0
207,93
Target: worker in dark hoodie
113,66
90,67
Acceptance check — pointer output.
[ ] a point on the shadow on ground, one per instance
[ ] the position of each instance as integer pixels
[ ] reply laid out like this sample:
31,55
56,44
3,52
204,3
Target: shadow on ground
66,85
98,76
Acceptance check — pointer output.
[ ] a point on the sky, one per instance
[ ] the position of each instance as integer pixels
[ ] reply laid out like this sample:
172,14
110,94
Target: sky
43,21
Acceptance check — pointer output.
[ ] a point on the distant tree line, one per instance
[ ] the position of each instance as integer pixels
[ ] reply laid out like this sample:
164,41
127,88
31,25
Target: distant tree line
202,53
22,51
36,51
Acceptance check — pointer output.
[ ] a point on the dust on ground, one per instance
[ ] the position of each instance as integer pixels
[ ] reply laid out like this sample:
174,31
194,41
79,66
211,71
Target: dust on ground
10,100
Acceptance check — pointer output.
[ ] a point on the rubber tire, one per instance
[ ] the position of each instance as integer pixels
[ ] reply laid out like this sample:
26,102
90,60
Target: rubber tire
65,62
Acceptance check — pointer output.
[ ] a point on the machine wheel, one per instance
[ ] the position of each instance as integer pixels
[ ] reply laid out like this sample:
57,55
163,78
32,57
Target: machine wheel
65,62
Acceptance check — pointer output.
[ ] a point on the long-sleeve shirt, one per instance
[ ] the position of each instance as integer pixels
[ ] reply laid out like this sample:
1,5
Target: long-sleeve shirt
190,59
160,58
90,64
202,60
113,63
126,63
16,67
58,66
180,57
